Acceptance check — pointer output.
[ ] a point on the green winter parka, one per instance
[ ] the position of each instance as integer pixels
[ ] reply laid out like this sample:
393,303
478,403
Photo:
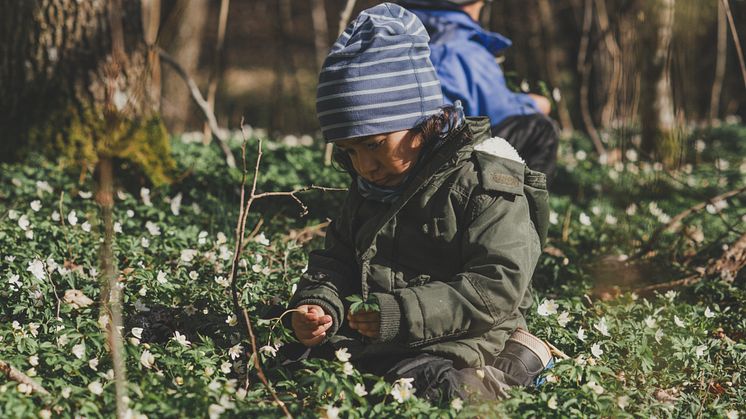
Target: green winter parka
450,261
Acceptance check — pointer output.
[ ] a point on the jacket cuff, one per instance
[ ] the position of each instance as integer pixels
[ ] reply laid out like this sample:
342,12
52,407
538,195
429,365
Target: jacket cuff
328,309
390,316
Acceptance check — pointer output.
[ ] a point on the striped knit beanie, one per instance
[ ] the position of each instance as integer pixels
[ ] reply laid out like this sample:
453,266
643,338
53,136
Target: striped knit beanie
378,77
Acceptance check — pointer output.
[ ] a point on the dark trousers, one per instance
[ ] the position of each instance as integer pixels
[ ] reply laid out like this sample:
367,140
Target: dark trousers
535,137
434,378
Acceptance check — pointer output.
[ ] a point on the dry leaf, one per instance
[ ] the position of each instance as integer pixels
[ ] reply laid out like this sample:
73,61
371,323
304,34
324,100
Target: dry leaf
77,299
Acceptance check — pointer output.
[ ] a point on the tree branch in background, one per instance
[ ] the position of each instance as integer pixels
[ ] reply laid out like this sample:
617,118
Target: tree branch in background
21,378
728,265
217,56
675,222
585,74
736,40
203,105
344,17
320,31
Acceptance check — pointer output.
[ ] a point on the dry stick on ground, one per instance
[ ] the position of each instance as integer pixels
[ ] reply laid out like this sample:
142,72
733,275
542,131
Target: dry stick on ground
344,17
675,222
203,105
732,260
21,378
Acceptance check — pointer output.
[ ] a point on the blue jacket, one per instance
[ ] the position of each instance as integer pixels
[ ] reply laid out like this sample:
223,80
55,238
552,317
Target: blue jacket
464,57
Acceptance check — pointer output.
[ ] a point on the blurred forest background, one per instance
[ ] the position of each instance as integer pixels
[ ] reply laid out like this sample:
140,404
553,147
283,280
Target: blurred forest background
630,66
596,53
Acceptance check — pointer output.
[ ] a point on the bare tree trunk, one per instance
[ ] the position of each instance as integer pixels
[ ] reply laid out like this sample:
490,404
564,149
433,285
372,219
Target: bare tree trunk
722,56
344,18
185,28
608,114
217,57
656,101
585,75
553,61
320,31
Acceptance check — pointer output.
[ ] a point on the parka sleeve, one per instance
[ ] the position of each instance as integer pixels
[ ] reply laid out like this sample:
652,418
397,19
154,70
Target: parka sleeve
328,277
500,249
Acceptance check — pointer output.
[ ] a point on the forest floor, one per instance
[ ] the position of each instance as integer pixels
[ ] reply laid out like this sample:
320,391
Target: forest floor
617,232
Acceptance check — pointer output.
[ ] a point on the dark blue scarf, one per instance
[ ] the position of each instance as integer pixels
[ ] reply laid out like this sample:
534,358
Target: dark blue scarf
388,195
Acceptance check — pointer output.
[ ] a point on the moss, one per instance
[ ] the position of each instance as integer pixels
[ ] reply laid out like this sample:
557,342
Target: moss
75,137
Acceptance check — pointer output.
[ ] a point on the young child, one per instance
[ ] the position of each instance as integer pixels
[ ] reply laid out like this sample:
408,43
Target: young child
442,226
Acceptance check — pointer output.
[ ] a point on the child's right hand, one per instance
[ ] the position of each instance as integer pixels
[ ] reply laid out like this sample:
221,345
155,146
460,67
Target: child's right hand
310,324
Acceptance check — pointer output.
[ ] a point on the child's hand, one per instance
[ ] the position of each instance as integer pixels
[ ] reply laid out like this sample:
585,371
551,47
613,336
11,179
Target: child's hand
368,323
310,324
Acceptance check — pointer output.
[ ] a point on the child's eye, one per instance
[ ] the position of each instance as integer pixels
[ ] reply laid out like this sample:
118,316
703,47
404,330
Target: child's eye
373,146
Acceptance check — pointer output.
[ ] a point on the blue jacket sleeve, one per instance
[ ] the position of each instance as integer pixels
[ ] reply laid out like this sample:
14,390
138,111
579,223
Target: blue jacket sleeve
469,73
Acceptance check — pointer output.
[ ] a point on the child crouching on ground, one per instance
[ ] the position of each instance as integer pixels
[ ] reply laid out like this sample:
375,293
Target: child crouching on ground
442,226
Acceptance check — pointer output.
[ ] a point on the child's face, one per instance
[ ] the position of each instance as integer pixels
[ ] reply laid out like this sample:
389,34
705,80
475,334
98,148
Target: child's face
383,159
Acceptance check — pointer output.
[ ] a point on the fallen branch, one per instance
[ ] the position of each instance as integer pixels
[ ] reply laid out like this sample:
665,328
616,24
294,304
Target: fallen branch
203,105
556,352
730,263
675,222
21,378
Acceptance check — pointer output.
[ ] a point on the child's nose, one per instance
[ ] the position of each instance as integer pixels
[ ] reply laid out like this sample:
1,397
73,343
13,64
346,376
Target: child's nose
367,167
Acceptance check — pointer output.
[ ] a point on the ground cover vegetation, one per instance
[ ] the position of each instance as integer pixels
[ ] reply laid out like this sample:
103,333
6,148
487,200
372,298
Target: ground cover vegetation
633,350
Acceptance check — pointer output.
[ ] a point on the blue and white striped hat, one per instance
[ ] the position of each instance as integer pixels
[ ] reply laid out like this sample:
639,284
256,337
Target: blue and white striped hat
378,77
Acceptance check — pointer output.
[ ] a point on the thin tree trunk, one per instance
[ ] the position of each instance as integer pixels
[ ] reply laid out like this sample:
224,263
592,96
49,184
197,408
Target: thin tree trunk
608,114
217,57
552,56
585,75
722,56
186,27
656,102
320,31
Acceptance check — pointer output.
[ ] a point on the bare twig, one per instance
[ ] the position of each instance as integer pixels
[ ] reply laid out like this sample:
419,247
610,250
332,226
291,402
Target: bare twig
203,105
556,352
736,41
21,378
258,365
675,222
732,260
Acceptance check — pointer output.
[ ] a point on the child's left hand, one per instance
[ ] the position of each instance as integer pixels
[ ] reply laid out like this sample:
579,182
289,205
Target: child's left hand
368,323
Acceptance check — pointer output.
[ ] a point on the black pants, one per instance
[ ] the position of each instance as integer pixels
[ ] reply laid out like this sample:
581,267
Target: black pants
535,137
434,378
